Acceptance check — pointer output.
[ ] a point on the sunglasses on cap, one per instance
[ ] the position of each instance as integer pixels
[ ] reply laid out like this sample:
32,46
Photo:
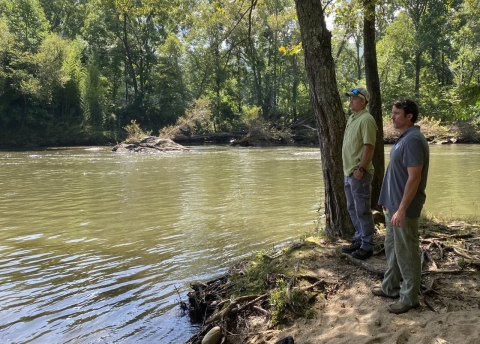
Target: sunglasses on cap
356,92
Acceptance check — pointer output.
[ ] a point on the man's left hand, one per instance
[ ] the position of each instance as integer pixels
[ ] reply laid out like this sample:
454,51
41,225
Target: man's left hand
357,174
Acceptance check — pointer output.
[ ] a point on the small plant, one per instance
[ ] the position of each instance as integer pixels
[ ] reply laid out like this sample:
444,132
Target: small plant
462,263
134,132
289,303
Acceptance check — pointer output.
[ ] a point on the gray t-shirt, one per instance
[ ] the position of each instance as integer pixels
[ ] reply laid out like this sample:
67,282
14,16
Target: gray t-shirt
410,150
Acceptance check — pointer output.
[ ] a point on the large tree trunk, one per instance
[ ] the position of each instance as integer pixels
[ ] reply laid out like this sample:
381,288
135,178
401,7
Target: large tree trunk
375,104
316,40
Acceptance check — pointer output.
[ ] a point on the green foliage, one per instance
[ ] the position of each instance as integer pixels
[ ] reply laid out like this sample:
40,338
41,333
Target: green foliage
396,67
260,130
27,20
92,98
255,278
432,129
134,132
462,263
89,67
197,120
289,303
433,219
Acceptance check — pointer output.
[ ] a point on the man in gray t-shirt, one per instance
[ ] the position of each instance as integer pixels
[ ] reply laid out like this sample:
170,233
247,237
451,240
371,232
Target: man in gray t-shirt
402,198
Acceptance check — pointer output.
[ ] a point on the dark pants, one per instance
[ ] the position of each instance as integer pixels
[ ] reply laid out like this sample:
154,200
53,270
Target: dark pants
358,193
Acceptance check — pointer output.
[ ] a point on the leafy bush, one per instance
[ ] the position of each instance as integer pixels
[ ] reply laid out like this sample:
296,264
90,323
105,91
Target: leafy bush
197,120
433,128
263,274
259,130
289,303
134,132
430,127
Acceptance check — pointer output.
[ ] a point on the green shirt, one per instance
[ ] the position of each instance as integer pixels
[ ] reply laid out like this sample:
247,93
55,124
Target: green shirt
361,129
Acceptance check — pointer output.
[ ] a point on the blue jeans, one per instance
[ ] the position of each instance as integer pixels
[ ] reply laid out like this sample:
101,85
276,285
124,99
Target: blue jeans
358,193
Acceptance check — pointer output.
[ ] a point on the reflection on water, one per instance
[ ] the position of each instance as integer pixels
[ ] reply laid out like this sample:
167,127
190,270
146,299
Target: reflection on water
96,246
453,182
453,179
93,243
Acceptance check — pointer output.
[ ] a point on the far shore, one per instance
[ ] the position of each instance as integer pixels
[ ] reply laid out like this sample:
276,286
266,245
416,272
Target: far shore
466,132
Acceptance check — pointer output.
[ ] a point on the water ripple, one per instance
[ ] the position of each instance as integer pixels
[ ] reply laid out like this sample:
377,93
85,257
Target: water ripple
96,246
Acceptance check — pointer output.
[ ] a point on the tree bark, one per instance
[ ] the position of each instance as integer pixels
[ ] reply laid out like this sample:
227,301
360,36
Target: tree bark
257,76
129,55
330,118
418,55
296,81
375,103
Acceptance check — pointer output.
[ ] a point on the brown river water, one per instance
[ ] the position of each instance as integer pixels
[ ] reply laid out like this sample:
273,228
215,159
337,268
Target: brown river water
99,247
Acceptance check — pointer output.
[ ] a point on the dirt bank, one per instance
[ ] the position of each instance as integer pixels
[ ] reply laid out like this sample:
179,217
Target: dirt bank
342,308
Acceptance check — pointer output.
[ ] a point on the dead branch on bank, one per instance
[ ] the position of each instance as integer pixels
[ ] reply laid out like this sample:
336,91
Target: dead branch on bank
445,237
231,308
438,252
228,318
364,265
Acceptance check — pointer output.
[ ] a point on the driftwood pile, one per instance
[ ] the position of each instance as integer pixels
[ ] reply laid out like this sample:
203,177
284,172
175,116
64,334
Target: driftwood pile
223,319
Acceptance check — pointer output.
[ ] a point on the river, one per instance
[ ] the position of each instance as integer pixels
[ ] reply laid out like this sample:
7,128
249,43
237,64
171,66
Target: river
100,247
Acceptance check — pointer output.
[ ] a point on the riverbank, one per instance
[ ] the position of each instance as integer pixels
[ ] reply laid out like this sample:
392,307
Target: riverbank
436,132
260,134
315,294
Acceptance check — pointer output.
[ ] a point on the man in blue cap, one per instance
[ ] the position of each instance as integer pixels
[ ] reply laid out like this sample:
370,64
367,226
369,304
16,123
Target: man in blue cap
357,152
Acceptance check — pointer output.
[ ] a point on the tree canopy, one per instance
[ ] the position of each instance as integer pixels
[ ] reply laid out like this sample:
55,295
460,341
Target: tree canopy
78,72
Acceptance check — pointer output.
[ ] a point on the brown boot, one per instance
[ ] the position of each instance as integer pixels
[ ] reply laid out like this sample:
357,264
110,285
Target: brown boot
377,291
400,308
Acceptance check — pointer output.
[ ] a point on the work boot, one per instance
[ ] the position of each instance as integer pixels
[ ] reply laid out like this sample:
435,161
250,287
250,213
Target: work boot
362,254
378,291
351,248
400,308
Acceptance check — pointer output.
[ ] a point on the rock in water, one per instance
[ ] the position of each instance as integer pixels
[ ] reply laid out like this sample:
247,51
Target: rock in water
149,144
213,336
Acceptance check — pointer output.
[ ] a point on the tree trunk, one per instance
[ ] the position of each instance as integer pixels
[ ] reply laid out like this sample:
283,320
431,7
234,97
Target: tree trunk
358,58
129,55
418,55
296,82
253,57
375,103
320,67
